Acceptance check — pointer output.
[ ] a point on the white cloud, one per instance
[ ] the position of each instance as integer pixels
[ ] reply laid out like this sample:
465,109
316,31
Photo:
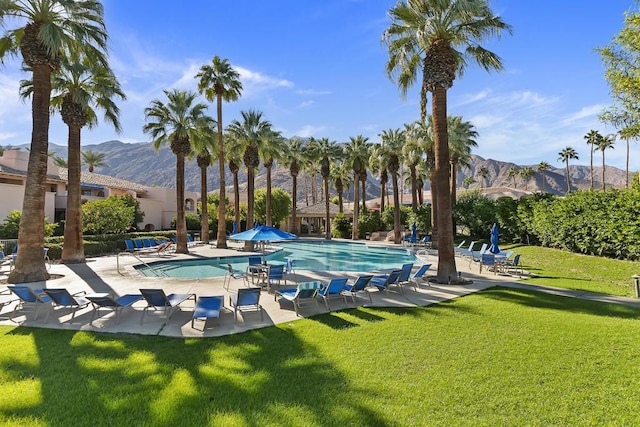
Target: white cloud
309,130
313,92
590,112
255,82
306,104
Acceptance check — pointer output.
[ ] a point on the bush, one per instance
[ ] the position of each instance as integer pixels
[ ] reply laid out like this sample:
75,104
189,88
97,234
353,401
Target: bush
476,212
9,228
280,205
109,216
369,222
194,222
341,226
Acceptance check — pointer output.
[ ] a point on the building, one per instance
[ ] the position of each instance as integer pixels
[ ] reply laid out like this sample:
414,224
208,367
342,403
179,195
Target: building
157,203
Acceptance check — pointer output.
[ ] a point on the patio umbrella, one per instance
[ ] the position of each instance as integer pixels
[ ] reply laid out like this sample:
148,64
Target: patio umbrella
494,249
263,233
234,230
414,233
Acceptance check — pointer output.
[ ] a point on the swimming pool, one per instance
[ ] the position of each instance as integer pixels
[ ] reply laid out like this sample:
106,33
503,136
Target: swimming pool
320,255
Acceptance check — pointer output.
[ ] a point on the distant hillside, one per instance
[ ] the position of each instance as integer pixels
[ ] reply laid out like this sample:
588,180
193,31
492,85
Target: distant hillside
140,163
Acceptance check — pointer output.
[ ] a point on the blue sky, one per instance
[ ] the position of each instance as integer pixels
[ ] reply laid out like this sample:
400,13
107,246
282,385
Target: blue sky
316,68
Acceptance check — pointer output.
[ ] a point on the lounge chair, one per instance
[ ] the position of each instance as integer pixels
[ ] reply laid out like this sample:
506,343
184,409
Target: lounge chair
109,302
514,265
466,252
289,269
246,298
425,241
476,256
418,277
304,292
6,298
359,286
61,297
158,300
334,289
459,247
206,308
28,297
232,274
383,284
400,281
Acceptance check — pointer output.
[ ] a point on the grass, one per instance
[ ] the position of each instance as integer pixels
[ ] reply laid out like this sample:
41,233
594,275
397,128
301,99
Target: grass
562,269
500,357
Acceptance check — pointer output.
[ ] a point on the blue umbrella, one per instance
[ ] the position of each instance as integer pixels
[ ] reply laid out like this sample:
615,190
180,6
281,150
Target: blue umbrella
263,233
234,230
414,233
494,249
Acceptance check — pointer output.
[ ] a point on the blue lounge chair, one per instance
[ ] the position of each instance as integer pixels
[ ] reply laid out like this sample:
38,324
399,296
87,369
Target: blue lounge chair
466,252
334,289
476,256
289,269
116,304
232,274
359,286
61,297
304,292
6,298
403,279
515,265
418,277
383,284
206,308
425,241
28,297
158,300
246,298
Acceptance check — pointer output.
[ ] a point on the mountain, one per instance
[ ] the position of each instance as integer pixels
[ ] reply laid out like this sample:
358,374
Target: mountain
139,162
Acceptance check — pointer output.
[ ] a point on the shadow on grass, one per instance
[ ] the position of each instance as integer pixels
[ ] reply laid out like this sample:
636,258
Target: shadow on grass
531,298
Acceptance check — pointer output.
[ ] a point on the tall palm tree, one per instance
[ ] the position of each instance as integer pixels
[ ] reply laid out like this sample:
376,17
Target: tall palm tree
327,152
592,138
249,134
176,122
202,147
627,120
93,159
468,181
602,144
50,30
527,173
80,88
271,148
462,136
341,179
356,155
221,81
234,153
393,140
483,173
438,37
293,158
542,168
512,172
378,165
413,151
565,155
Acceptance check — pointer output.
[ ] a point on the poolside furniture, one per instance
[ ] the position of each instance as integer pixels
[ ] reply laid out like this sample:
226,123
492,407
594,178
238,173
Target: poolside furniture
4,259
334,289
383,284
289,269
158,300
304,293
418,277
14,255
6,298
105,300
232,274
400,281
476,256
359,286
247,298
425,241
206,308
459,247
465,252
514,265
255,260
61,297
488,260
28,298
275,273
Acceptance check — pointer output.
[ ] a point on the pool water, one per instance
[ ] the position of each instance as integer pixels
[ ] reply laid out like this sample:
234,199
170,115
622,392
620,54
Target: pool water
307,255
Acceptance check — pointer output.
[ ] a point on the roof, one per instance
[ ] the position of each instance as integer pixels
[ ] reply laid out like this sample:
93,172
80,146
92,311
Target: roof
17,172
88,178
318,209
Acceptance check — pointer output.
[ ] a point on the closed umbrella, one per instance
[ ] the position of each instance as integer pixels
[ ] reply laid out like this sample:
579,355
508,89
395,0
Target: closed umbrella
234,230
414,233
494,249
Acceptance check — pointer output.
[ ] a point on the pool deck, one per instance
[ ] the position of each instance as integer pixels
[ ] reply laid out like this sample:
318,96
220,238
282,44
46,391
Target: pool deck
102,274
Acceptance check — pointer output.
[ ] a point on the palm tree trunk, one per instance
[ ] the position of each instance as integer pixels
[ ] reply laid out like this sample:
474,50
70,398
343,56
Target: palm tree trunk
293,228
181,225
434,209
567,173
204,227
248,245
627,178
236,201
221,241
356,208
414,190
397,237
446,261
364,195
327,218
340,202
453,183
306,189
382,194
603,168
591,164
30,266
268,199
73,249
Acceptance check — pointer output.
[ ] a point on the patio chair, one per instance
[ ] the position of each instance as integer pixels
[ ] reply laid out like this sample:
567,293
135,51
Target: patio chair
248,298
275,274
158,300
28,297
232,274
476,256
255,260
359,286
206,308
488,260
514,265
115,304
334,289
61,297
303,293
383,284
418,277
289,269
425,241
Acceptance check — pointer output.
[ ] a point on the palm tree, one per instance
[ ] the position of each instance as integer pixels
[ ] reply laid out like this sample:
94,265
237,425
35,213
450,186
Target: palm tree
483,173
249,134
93,159
393,140
437,37
602,144
542,168
50,31
512,172
377,164
592,138
356,155
221,81
564,156
176,122
327,152
202,147
80,88
627,120
271,148
413,151
527,173
468,181
341,179
293,157
234,156
60,161
462,136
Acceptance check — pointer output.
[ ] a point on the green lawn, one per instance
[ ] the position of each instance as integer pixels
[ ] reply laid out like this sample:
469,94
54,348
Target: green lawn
552,267
500,357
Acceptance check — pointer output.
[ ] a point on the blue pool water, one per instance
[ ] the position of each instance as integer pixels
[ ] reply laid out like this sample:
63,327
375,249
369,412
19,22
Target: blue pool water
307,255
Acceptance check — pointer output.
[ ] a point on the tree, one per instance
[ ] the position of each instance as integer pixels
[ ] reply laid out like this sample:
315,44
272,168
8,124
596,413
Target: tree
393,140
249,134
51,30
60,162
527,173
293,157
628,121
592,137
440,36
341,179
271,148
93,159
177,123
542,168
602,144
356,154
327,151
512,172
281,205
483,173
468,181
109,216
202,146
221,81
565,155
462,136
